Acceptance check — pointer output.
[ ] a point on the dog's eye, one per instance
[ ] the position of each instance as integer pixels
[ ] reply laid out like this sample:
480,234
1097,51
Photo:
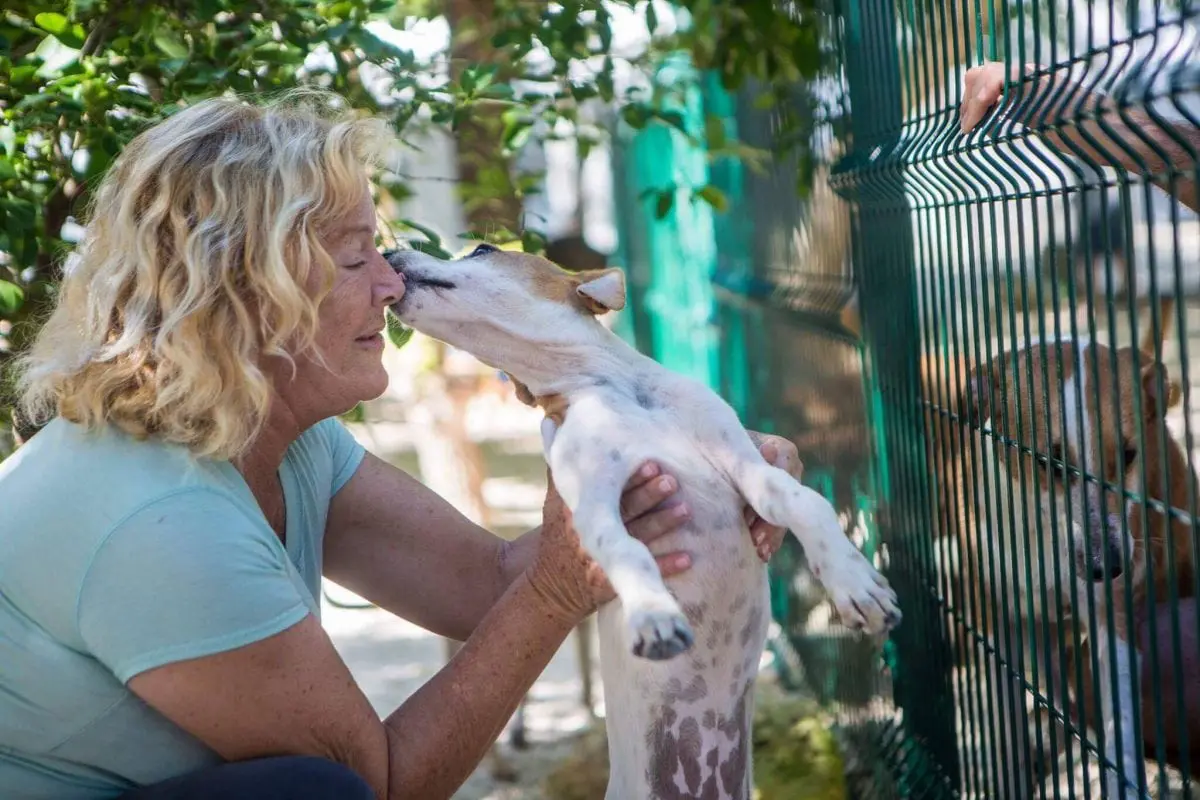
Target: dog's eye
1128,457
1058,459
483,249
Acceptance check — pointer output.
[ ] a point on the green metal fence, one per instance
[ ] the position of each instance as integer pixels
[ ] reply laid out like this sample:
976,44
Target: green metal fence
973,338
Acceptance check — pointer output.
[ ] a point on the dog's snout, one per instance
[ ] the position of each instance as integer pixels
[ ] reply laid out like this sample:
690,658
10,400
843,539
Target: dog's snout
394,258
1116,560
1106,564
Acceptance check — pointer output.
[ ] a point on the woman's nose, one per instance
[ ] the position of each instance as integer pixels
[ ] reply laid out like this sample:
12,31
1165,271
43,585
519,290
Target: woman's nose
390,285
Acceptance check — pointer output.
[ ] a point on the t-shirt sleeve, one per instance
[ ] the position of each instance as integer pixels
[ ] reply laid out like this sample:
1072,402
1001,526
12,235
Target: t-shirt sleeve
346,452
186,576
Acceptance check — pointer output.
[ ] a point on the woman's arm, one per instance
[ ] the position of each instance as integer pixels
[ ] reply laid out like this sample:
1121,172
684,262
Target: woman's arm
398,544
292,694
1128,139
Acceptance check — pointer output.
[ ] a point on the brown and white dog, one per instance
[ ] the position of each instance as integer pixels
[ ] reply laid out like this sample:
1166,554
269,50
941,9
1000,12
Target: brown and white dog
678,724
1048,545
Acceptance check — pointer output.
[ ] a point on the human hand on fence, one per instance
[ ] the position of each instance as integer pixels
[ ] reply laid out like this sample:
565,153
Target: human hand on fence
983,86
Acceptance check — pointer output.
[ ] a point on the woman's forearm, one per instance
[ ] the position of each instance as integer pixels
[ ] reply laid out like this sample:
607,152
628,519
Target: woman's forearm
441,733
516,556
1128,139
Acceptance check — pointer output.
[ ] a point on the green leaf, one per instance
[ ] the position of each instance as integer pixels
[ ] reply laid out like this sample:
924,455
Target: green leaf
517,133
53,23
374,48
336,32
714,132
11,298
73,37
6,169
428,233
23,74
664,203
635,115
497,91
533,242
20,215
674,119
604,80
431,249
356,414
714,197
170,44
397,332
651,18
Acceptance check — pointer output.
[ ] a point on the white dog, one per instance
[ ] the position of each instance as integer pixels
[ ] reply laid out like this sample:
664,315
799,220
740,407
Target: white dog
678,726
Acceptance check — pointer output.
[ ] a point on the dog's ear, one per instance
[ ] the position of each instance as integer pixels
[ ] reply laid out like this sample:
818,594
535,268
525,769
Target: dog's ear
979,393
1159,392
523,393
602,290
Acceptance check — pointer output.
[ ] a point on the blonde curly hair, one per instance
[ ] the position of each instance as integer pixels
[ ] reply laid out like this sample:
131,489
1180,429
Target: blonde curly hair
203,255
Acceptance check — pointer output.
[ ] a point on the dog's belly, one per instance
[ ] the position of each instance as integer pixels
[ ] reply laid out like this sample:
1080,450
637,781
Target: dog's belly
681,728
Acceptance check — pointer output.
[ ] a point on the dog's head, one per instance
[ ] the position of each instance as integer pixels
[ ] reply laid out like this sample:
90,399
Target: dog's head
1068,418
496,304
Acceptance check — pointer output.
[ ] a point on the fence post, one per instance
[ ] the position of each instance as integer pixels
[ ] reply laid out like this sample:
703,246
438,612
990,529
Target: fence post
870,176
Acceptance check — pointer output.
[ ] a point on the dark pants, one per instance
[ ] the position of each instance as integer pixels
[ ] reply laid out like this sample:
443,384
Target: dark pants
283,778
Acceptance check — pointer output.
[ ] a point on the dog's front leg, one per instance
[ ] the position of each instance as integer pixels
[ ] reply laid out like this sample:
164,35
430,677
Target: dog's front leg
1116,713
590,484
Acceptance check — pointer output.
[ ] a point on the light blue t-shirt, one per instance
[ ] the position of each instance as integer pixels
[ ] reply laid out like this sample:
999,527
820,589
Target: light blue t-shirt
117,556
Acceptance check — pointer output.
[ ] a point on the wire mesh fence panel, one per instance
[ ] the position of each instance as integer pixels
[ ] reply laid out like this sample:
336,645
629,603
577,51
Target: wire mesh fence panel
970,297
1022,187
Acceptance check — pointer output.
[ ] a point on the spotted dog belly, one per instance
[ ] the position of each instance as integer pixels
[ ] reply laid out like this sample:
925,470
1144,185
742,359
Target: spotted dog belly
699,744
681,728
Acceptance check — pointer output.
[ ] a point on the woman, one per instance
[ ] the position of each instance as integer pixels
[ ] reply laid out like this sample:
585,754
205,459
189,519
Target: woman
164,535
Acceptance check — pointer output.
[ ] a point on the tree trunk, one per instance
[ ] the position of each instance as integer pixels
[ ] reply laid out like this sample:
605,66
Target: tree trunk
490,199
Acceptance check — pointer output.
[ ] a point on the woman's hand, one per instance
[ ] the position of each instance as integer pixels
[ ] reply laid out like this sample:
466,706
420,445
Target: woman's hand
566,575
781,453
575,585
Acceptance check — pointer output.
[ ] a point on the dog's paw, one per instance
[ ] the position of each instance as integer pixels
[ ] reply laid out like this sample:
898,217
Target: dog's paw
863,598
659,634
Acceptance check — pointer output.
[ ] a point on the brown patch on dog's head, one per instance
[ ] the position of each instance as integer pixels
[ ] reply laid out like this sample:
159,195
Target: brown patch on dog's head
596,291
1025,396
1143,388
1020,393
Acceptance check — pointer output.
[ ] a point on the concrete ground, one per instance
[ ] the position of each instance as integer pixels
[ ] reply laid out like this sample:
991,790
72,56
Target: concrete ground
391,658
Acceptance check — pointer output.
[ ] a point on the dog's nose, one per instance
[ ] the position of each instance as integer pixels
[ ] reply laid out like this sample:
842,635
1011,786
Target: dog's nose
1116,560
1113,569
394,258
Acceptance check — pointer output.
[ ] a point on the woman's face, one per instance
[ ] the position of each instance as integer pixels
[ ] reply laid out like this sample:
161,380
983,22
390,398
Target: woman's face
351,320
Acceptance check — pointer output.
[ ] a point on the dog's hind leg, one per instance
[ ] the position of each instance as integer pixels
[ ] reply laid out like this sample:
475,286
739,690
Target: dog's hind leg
590,485
861,595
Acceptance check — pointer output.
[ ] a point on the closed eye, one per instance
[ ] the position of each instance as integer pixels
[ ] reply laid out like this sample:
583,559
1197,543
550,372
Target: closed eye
1128,456
483,249
1057,460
